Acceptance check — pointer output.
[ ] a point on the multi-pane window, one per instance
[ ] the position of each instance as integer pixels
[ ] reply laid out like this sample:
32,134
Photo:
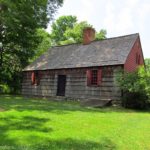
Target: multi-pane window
94,77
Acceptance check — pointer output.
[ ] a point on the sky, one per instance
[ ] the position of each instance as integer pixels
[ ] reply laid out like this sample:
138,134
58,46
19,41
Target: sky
116,16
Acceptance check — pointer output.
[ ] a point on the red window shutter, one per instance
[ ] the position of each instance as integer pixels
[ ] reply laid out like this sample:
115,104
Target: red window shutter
99,77
33,78
89,76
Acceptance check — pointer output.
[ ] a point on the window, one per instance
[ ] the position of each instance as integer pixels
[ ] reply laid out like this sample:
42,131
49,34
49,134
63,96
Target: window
35,78
94,77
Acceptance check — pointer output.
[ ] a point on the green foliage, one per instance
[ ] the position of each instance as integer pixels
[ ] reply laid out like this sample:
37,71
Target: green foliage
4,88
60,26
19,21
76,34
101,35
66,30
37,124
145,80
147,64
136,100
44,44
147,61
130,81
136,87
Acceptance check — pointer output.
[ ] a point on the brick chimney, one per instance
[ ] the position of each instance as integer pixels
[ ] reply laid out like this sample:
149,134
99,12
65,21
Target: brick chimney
88,35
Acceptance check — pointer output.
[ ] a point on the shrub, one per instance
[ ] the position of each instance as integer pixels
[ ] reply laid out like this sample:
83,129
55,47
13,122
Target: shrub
136,88
135,100
4,88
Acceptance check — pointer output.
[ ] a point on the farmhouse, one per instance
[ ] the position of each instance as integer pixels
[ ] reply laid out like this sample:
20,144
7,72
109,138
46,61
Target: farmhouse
83,71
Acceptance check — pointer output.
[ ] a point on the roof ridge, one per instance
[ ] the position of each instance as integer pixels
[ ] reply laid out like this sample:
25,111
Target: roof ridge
116,37
65,45
97,40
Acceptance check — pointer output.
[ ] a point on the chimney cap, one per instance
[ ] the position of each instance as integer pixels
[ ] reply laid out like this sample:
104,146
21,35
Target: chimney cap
88,28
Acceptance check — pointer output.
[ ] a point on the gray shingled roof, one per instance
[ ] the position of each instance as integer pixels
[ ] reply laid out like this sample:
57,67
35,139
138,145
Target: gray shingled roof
112,51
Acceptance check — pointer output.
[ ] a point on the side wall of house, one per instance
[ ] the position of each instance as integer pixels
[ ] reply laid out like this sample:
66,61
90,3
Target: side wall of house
134,56
76,84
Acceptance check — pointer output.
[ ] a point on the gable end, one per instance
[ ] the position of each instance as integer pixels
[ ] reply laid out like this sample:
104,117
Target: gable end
135,57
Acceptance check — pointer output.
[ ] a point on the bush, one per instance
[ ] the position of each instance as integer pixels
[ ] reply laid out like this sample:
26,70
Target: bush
4,88
136,88
135,100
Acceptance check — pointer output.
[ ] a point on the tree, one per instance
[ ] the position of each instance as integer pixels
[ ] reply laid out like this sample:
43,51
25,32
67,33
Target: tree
101,35
60,26
19,21
147,64
44,45
66,30
76,34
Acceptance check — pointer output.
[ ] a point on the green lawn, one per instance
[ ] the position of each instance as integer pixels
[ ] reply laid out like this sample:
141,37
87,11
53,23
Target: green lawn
34,124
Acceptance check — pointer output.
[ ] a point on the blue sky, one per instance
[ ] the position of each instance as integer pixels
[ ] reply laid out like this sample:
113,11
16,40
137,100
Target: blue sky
116,16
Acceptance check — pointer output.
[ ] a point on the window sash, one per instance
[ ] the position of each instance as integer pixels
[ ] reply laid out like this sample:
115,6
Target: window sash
94,77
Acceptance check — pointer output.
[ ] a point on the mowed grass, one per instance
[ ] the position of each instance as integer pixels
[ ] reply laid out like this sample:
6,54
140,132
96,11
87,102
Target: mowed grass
37,124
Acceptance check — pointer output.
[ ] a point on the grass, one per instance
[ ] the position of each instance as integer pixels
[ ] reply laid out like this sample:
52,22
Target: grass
34,124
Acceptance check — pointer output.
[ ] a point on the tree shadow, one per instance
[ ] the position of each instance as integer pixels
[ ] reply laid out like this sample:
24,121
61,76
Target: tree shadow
74,144
23,124
39,140
66,144
59,107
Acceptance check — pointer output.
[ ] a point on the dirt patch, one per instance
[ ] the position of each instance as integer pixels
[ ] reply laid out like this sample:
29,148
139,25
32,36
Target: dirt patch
1,109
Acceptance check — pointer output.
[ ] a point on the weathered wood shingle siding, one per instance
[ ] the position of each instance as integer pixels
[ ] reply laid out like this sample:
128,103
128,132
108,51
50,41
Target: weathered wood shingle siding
47,86
76,85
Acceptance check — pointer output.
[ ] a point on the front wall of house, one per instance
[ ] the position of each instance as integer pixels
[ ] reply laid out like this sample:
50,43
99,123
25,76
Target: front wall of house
76,84
46,87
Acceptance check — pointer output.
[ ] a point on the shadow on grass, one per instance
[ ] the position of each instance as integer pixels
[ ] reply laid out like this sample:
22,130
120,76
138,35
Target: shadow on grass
74,144
67,144
30,104
24,124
